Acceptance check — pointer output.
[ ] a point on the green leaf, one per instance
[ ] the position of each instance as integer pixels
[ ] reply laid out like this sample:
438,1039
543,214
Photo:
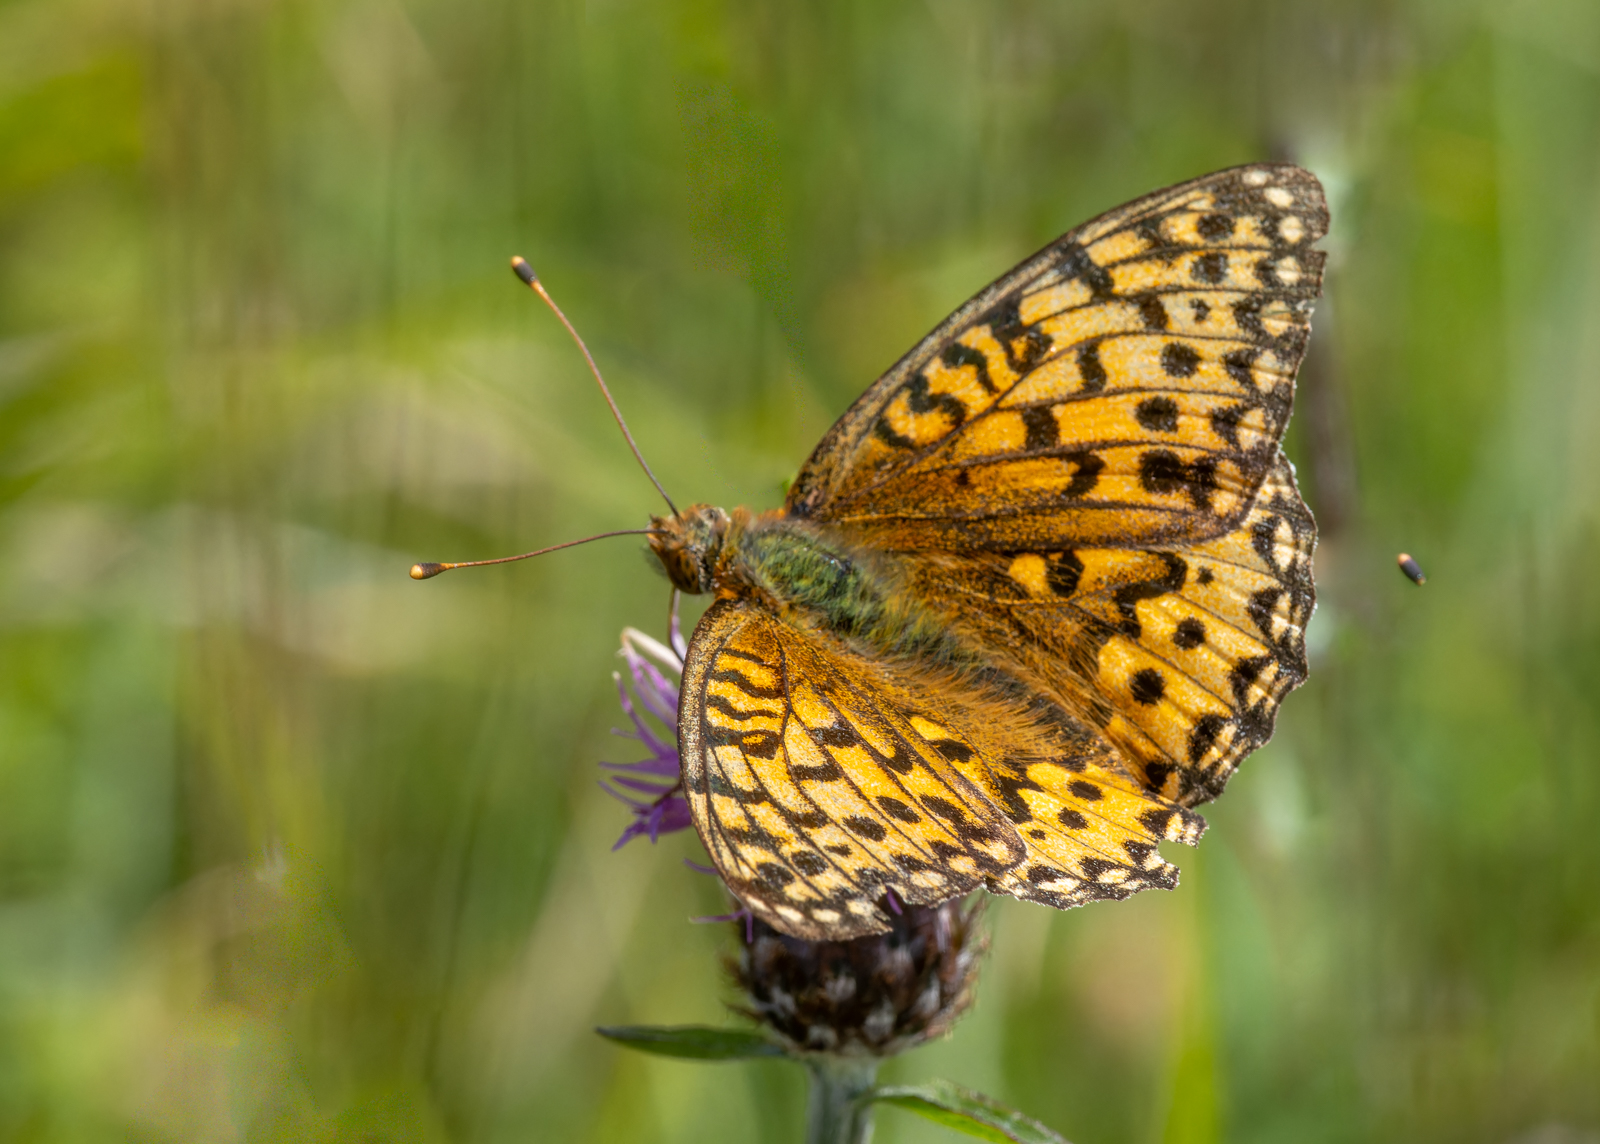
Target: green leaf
966,1111
692,1042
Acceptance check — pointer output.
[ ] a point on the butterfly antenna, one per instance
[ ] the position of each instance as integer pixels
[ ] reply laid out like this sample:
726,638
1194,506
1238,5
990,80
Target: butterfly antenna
430,570
525,272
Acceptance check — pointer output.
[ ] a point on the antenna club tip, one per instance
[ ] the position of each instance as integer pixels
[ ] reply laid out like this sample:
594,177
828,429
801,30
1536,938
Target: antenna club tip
427,571
1413,571
520,267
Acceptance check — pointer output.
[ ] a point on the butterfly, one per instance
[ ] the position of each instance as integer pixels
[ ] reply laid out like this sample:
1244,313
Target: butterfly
1034,596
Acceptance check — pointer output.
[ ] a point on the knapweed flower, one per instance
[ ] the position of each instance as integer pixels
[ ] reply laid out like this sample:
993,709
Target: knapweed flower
877,995
838,1007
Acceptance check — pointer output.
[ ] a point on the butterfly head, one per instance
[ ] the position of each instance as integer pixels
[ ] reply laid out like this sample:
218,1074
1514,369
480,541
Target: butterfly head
689,544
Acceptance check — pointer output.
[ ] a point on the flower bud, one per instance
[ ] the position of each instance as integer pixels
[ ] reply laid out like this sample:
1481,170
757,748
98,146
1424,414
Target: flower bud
877,995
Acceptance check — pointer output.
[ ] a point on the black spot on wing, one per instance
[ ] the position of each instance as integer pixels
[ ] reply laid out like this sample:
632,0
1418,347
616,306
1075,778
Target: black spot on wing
761,744
1025,345
1153,312
1179,359
718,784
1147,686
1091,369
1238,363
1190,633
729,711
1139,851
1225,422
1244,675
1162,471
865,827
1072,819
1127,597
957,355
1063,573
901,762
1076,263
1011,788
808,862
1155,821
828,772
1211,267
1043,430
1158,414
951,749
738,680
896,809
919,399
773,876
1204,735
838,735
1085,468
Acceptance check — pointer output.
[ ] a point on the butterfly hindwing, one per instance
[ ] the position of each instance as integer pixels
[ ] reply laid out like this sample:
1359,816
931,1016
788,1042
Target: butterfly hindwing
1128,383
1180,657
819,781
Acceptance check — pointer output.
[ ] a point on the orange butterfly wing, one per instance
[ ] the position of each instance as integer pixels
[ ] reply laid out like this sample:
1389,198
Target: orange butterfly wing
819,779
1128,384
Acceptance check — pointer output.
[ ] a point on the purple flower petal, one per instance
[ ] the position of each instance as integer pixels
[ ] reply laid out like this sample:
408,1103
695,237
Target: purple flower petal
741,914
663,810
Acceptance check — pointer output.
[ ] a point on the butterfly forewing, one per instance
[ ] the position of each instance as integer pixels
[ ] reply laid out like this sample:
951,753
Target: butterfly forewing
1127,384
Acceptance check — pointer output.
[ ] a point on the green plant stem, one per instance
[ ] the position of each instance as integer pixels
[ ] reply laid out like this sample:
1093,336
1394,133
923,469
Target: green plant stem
834,1115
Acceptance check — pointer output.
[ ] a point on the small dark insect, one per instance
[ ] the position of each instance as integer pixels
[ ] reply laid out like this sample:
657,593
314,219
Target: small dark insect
1411,568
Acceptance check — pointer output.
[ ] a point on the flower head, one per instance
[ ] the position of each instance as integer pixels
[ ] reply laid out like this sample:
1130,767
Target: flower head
868,997
876,995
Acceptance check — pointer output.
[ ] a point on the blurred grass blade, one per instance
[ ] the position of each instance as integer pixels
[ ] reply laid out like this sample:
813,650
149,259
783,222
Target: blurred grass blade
692,1042
966,1111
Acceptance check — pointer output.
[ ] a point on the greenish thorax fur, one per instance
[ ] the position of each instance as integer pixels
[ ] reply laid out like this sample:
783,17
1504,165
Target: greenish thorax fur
793,566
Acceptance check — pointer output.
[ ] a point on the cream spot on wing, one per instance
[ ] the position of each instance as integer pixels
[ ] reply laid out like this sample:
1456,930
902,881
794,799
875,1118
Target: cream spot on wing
1287,271
1030,569
1291,229
1255,178
1115,247
1045,303
1279,196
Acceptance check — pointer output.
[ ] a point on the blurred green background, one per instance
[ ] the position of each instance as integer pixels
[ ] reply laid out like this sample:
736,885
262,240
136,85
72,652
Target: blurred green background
294,848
